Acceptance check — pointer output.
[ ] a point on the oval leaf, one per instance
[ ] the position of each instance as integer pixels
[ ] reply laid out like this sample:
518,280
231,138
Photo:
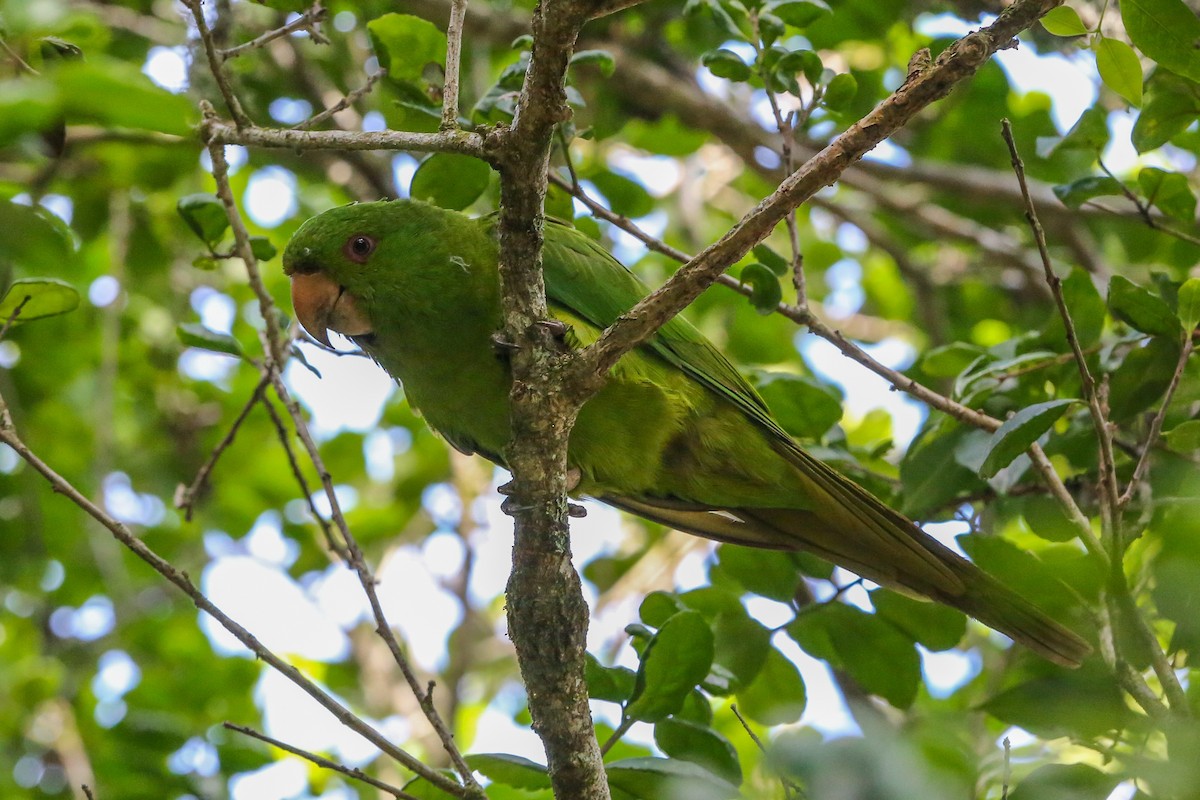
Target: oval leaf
1120,69
450,180
405,44
1064,21
193,334
1166,31
510,770
1142,310
765,291
726,64
840,91
1019,432
34,238
205,215
700,745
658,778
38,298
777,695
677,658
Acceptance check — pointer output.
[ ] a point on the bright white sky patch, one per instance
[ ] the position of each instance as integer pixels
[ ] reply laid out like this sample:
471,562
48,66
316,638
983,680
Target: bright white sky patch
349,395
271,196
168,67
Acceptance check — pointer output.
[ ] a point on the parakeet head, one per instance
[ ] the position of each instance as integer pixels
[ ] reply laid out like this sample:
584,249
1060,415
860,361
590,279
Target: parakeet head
342,260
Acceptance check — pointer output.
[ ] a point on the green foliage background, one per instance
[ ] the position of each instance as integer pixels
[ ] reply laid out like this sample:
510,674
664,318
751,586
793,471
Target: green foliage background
948,266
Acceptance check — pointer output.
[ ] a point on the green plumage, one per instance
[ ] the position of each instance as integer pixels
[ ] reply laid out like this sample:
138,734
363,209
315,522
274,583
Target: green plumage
676,435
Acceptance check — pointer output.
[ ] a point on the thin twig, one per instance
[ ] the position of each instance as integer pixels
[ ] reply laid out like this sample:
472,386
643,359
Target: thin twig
341,105
1143,462
12,318
273,345
22,65
306,21
454,34
214,63
615,736
1007,768
1108,469
87,792
321,761
185,496
180,579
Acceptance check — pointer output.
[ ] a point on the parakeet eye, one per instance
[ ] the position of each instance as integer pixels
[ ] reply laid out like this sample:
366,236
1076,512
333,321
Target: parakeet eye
358,248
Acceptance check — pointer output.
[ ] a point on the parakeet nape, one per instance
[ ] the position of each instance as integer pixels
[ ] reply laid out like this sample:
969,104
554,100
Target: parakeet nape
676,435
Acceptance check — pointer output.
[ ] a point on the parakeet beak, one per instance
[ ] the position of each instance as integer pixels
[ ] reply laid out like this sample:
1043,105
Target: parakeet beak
322,305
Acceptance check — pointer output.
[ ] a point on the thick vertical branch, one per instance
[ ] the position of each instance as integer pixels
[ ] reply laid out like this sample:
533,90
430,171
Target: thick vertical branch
547,615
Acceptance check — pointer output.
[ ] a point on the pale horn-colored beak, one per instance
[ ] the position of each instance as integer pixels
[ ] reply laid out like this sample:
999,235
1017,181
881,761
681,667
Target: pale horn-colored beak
322,305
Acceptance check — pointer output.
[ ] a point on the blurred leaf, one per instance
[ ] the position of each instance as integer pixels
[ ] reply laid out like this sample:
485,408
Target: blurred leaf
840,92
205,215
659,778
1019,432
1120,69
882,659
450,180
1169,192
1065,782
1172,105
1189,304
111,92
38,298
262,248
1079,703
601,59
777,695
195,335
700,745
677,658
799,13
1142,377
405,44
625,196
1076,193
727,64
34,239
1166,31
805,408
933,625
763,572
1142,310
614,684
766,293
1064,21
511,770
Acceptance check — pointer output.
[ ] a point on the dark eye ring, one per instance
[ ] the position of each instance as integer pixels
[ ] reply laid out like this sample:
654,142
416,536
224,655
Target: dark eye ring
359,247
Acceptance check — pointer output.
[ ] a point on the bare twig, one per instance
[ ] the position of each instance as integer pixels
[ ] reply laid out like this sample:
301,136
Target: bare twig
458,141
12,318
306,21
454,34
321,761
214,62
22,65
185,496
87,792
1007,768
341,105
1143,462
180,579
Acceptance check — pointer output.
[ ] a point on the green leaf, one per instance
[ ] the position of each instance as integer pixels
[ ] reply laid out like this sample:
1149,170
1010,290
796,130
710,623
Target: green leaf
1169,192
700,745
658,607
511,770
205,215
1143,376
659,778
1070,704
1142,310
1189,304
294,6
1085,305
677,658
840,92
1120,69
625,196
1064,21
726,64
741,644
262,248
799,13
38,298
601,59
777,695
950,360
193,334
771,260
1065,782
405,45
805,408
34,239
765,291
930,473
1184,437
763,572
613,684
1020,431
1167,32
881,658
1173,104
116,93
1076,193
1090,133
935,626
450,180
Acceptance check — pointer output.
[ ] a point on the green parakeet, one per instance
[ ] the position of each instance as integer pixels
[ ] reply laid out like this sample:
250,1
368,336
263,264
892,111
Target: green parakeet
676,435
